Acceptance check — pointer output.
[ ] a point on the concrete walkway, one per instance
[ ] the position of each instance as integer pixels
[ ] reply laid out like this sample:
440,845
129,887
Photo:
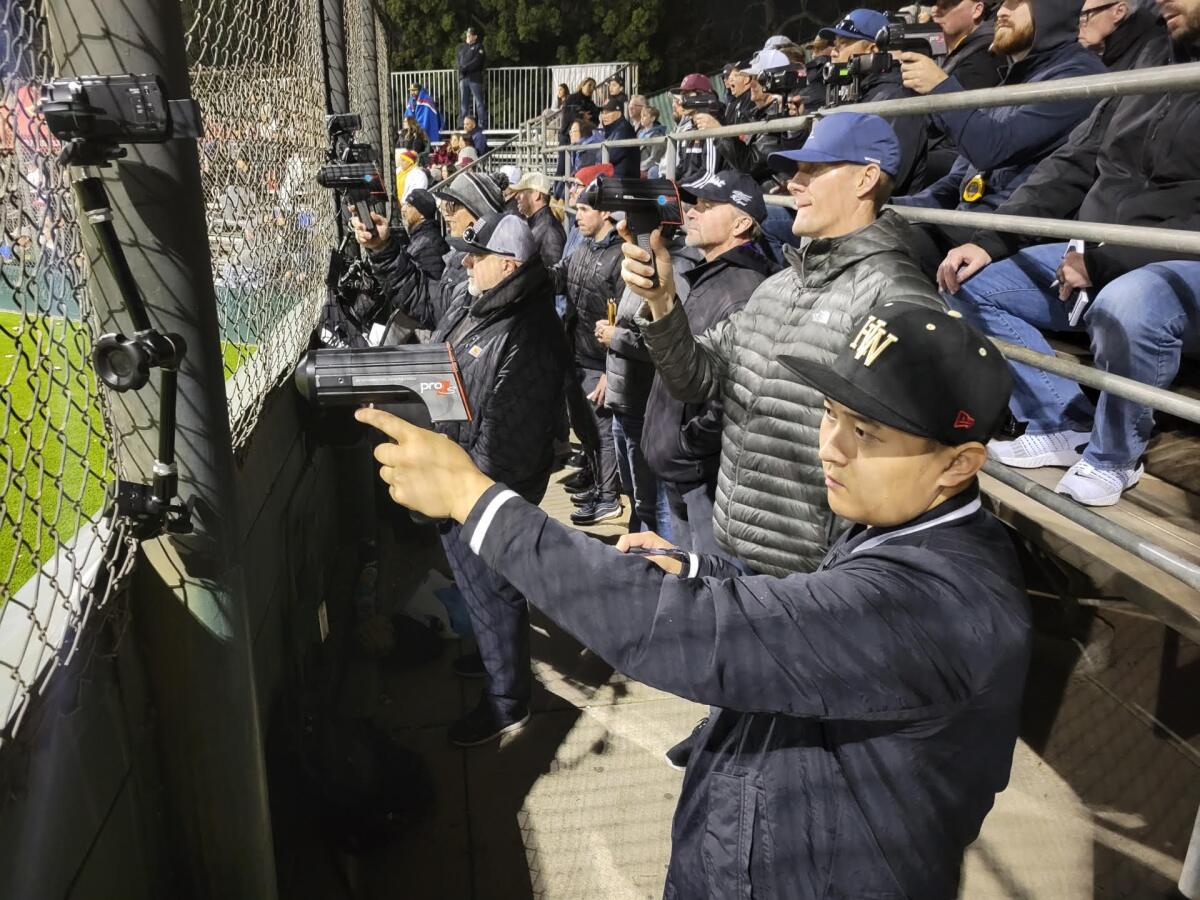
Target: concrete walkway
579,803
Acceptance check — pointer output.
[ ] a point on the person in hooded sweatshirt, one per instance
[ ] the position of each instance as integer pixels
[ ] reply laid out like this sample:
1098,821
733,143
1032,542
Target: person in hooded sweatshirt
969,27
1118,32
999,147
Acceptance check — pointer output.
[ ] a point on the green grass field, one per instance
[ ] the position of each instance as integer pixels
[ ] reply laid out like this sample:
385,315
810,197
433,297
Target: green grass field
52,469
52,445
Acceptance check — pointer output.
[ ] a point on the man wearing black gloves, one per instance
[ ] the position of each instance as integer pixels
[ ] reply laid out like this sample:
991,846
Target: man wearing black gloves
512,357
626,161
1134,162
864,715
470,77
682,441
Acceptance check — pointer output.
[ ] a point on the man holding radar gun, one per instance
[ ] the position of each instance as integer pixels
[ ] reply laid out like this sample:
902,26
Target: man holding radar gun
864,714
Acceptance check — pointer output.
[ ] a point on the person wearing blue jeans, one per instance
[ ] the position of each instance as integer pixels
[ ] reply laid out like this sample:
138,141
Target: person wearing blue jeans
1140,324
649,510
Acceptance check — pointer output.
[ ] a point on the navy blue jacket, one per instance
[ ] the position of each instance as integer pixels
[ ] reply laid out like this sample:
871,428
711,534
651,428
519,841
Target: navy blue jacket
626,161
867,712
1004,144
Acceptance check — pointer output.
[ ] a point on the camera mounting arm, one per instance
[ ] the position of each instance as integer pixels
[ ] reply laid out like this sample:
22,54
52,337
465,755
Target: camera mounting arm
124,364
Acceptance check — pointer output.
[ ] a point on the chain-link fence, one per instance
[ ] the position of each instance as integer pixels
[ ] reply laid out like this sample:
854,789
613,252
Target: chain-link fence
57,557
257,72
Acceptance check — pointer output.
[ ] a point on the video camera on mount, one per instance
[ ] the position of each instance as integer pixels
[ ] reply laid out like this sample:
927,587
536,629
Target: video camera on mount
844,81
784,81
901,37
351,169
703,103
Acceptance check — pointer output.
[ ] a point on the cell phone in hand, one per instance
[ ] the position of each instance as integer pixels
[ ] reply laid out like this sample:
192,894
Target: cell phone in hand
1081,297
671,552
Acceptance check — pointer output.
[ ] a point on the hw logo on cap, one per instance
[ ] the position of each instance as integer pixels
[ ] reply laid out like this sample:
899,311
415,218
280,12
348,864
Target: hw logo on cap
872,340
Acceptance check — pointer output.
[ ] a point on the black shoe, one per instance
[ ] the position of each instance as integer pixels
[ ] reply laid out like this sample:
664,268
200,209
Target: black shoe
597,511
576,460
581,480
584,497
481,725
469,665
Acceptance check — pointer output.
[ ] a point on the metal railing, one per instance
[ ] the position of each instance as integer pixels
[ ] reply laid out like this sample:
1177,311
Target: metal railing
514,95
1175,79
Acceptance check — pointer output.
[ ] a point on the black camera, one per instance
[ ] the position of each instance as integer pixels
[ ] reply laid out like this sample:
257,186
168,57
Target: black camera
351,169
843,81
124,363
94,114
901,37
701,102
784,81
648,203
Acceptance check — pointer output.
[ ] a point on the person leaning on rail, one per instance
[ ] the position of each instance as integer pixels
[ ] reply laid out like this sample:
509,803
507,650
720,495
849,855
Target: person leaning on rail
1134,162
864,714
999,147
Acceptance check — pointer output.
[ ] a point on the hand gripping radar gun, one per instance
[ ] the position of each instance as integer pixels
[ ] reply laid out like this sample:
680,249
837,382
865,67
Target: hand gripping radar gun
359,183
412,373
648,203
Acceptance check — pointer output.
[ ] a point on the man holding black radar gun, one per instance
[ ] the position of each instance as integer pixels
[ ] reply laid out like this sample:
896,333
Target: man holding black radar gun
865,714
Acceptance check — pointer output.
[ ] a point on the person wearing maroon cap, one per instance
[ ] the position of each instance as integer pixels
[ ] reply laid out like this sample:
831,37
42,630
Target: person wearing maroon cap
696,159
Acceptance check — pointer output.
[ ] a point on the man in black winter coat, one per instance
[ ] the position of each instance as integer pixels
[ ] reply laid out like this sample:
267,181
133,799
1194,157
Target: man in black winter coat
533,202
426,246
626,161
864,715
682,441
512,358
590,279
471,64
855,35
1133,162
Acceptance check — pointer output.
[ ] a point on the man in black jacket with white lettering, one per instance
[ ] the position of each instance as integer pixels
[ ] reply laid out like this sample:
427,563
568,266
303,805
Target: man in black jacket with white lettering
865,714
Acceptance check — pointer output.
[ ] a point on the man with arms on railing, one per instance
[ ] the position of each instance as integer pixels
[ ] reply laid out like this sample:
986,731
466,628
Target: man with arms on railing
770,510
471,64
1133,163
865,714
999,147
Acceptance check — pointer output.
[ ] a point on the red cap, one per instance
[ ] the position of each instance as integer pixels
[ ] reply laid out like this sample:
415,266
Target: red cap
587,174
696,82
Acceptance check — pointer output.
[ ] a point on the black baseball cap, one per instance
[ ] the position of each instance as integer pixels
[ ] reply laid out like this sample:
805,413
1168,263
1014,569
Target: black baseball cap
612,104
921,370
423,202
729,186
499,234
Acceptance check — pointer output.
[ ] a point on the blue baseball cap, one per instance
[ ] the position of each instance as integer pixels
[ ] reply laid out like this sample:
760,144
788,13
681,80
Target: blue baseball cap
847,137
860,25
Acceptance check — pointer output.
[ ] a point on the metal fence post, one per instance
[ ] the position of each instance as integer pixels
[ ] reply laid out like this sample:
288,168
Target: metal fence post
604,152
369,90
187,598
668,163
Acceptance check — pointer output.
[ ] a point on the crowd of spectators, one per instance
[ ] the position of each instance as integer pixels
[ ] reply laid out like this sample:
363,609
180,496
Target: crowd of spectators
674,367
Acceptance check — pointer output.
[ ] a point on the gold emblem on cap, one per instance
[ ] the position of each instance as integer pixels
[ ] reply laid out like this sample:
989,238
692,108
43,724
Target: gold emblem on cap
872,339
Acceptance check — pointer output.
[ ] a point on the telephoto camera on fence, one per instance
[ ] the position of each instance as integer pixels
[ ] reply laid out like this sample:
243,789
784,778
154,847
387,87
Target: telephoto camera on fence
94,115
784,81
352,171
424,376
648,203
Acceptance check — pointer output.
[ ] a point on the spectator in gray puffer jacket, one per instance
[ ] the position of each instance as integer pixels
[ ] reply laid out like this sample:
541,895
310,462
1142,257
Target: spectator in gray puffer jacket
771,511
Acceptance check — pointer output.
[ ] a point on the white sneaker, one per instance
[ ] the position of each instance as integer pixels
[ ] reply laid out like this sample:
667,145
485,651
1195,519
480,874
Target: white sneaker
1032,451
1086,484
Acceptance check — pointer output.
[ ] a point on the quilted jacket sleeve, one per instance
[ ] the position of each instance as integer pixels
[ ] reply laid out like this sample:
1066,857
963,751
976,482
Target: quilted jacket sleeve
691,367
